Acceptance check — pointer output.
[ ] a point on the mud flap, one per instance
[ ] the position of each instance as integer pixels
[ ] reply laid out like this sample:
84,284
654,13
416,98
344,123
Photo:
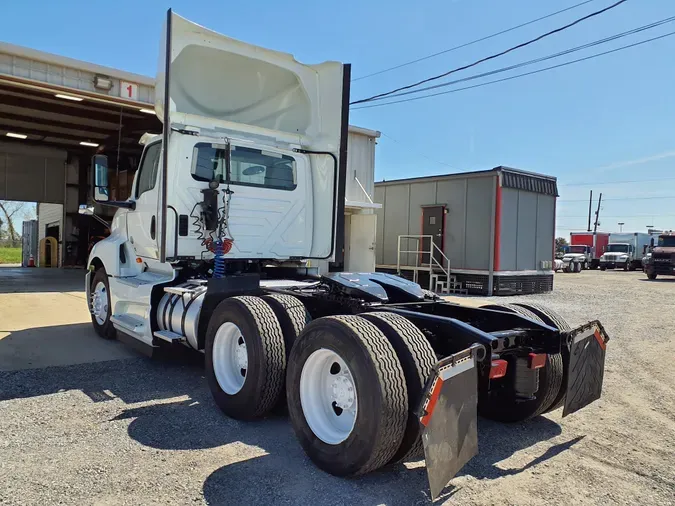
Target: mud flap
586,366
448,415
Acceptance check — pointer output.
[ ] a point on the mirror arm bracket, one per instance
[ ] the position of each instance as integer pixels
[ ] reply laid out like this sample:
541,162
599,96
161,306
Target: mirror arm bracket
126,204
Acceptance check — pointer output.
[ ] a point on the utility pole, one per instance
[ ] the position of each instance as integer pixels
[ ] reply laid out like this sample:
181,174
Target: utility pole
590,205
597,215
621,224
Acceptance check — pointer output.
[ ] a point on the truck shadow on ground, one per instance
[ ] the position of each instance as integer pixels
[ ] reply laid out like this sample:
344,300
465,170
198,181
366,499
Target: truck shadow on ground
289,476
174,411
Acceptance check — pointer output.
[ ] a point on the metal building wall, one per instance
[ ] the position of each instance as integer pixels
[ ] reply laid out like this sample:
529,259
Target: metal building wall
527,230
469,203
31,174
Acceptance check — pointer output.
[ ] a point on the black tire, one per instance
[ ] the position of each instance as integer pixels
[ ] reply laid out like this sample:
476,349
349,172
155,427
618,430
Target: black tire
292,316
505,408
586,266
577,267
105,330
626,266
651,275
417,359
603,268
266,353
553,319
381,389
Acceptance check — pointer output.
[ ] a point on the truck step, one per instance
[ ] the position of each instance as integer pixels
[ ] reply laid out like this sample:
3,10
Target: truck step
169,337
131,324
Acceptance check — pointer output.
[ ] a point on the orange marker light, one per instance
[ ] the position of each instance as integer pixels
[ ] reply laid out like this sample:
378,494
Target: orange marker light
498,369
139,260
537,360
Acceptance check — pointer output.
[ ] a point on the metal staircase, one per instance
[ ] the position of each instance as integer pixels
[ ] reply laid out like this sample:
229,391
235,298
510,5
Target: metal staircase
431,260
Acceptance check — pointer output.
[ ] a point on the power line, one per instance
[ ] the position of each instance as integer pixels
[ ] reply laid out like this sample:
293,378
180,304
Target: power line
466,44
620,216
536,60
624,198
524,74
496,55
598,183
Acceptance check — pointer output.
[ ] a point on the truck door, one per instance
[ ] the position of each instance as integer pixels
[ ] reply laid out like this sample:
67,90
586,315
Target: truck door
142,221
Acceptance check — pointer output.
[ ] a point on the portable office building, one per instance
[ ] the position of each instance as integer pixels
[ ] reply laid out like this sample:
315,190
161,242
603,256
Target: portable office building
493,231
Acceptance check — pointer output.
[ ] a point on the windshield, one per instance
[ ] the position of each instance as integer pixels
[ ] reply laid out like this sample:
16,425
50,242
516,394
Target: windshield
667,241
617,248
248,166
577,249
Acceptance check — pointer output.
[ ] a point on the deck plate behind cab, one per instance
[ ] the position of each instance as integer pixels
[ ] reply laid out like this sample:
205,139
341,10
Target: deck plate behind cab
375,286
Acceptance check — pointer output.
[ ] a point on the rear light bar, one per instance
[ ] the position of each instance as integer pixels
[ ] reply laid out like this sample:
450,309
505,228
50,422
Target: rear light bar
498,369
537,360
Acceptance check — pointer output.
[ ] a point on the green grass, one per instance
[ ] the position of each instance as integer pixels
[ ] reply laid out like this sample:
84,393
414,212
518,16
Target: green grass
10,255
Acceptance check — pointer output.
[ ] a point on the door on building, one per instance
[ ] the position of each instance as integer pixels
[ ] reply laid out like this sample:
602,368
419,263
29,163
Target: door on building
432,224
360,242
142,226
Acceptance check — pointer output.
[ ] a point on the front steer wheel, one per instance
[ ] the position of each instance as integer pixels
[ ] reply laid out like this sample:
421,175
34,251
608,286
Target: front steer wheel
99,305
347,396
245,357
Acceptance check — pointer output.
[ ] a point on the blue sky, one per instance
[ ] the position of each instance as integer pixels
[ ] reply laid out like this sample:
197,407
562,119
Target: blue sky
604,120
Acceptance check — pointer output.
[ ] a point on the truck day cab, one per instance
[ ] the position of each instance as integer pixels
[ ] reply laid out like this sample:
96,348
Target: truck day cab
209,252
662,259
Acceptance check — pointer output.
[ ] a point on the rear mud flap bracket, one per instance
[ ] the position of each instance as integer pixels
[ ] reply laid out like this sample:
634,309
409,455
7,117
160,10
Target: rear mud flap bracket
448,416
586,366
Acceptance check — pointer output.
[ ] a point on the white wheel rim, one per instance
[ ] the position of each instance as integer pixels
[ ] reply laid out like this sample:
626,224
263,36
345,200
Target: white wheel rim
328,396
230,358
99,303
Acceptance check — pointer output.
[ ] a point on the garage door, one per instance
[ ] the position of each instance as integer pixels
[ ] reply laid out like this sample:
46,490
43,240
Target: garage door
32,174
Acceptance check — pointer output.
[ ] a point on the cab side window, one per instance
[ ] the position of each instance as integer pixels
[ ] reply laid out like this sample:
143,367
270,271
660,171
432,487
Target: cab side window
147,172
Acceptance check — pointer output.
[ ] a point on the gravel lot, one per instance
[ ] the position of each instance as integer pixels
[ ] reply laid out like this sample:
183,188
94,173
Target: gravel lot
140,431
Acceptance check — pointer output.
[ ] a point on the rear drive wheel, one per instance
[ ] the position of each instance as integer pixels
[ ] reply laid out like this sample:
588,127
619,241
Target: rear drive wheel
553,319
292,316
347,396
417,359
504,406
100,306
245,357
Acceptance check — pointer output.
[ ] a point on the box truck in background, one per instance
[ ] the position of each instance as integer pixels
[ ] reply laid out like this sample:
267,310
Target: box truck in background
625,251
597,242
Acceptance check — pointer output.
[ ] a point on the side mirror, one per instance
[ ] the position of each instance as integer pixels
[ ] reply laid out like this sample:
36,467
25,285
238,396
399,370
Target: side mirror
87,211
99,167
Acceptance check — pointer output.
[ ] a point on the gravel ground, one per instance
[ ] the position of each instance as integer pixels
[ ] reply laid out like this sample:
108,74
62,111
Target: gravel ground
140,431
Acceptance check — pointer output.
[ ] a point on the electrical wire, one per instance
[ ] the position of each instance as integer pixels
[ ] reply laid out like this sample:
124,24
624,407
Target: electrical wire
466,44
536,60
496,55
524,74
623,198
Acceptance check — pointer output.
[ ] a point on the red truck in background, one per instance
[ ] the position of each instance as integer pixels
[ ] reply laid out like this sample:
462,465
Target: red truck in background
597,242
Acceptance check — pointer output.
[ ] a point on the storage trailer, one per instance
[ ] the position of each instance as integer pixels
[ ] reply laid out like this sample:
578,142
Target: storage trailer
210,252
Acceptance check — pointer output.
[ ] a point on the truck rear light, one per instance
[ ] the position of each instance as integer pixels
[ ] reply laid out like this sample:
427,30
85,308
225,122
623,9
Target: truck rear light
498,369
537,360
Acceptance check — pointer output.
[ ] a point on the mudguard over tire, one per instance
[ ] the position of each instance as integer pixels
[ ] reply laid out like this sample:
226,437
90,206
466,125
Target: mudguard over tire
506,408
417,359
265,352
380,387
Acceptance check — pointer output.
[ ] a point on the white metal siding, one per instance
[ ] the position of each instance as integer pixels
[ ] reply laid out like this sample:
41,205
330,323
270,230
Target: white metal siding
361,166
47,215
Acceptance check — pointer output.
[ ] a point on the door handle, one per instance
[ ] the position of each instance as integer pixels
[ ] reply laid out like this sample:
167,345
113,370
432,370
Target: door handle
152,227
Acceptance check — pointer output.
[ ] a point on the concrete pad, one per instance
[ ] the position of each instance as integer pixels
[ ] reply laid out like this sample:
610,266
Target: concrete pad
44,321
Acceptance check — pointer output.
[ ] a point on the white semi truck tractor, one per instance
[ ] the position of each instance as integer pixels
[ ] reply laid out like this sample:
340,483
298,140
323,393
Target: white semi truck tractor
246,186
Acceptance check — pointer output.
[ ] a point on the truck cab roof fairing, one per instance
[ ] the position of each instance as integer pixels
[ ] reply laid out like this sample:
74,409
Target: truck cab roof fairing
218,81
